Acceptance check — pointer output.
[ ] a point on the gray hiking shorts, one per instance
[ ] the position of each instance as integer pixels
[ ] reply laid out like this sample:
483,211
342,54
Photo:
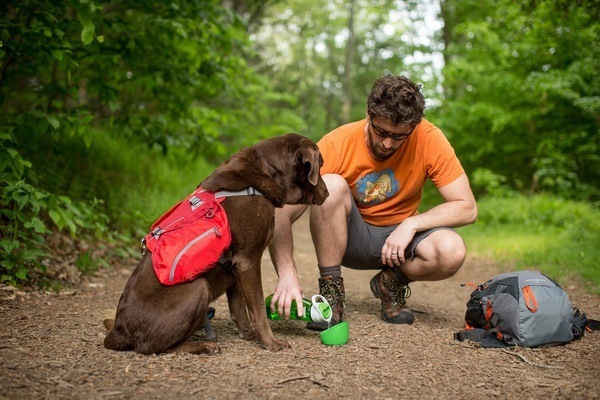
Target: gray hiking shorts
365,242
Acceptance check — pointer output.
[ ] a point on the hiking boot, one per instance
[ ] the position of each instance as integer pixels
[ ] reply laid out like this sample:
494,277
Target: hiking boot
393,293
333,290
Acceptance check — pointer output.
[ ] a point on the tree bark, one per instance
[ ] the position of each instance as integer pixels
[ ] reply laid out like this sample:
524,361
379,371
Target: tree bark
347,106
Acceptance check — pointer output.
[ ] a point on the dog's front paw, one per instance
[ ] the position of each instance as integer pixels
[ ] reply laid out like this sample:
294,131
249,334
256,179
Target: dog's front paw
195,348
248,333
278,345
210,348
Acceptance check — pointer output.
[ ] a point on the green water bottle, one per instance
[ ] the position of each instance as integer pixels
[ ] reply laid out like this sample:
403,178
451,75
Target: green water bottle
317,310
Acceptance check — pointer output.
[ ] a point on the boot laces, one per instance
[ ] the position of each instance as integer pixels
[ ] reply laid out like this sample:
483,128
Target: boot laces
332,291
399,291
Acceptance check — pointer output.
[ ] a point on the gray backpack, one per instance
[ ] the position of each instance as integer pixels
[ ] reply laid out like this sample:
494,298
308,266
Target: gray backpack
524,308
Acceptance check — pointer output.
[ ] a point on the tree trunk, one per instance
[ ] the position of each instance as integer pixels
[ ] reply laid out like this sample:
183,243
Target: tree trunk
347,106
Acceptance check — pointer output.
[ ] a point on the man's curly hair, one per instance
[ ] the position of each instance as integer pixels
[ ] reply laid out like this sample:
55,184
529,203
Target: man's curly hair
396,99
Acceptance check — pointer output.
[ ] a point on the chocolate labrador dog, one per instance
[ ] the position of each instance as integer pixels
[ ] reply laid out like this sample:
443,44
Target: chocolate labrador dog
152,318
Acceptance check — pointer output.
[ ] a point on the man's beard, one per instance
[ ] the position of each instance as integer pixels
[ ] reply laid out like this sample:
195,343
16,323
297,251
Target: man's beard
378,150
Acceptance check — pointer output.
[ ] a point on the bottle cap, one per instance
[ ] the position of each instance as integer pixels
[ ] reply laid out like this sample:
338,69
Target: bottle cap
325,309
320,310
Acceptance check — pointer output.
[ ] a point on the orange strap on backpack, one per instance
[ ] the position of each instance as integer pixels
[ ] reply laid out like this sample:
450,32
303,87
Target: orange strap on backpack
530,300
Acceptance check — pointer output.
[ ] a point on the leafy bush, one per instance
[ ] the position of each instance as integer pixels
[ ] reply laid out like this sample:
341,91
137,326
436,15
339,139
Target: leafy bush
486,182
159,76
522,93
28,213
138,184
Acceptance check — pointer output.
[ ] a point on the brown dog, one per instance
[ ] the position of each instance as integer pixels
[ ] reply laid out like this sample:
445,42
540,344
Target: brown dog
152,318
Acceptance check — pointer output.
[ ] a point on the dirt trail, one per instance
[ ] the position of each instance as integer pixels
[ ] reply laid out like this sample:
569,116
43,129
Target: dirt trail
51,347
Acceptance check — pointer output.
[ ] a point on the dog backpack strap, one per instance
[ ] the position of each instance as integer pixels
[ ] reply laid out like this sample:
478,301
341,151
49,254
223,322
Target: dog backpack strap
250,191
174,215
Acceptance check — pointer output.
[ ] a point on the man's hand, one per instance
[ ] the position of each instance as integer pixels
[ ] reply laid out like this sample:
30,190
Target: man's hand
288,288
459,208
392,252
281,250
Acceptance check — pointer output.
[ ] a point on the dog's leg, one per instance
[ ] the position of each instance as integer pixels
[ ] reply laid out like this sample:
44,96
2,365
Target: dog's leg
114,340
248,279
239,314
195,348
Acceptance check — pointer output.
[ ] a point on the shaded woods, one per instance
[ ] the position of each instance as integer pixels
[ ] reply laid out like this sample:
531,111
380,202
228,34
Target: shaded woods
106,105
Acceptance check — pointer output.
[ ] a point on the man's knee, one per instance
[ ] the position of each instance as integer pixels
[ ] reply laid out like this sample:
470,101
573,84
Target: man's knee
451,253
444,251
339,194
336,185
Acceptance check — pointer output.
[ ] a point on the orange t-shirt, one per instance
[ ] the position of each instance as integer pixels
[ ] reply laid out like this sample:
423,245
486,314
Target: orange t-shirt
387,192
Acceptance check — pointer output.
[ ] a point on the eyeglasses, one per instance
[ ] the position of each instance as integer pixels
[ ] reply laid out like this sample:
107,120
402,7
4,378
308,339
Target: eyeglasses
385,134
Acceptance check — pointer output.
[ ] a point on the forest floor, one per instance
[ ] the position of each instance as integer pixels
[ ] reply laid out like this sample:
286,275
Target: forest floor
51,348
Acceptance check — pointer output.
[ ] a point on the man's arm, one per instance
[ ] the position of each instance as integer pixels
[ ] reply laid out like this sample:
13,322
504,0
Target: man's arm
459,208
281,249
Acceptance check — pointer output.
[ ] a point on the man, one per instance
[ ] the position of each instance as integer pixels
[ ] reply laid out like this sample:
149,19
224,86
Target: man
375,170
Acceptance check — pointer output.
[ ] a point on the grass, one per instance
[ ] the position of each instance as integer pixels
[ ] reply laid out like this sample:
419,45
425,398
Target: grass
544,233
149,183
135,183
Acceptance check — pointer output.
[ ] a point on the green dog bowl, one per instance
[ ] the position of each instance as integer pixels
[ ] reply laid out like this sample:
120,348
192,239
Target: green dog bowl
337,335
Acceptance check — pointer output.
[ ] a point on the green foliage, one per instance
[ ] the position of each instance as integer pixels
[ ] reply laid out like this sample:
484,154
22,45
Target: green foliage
144,183
27,214
485,181
87,263
522,89
542,232
149,70
162,76
136,184
306,52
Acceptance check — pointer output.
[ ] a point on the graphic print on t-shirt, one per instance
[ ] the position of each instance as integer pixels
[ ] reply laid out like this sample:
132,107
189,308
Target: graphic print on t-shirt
375,187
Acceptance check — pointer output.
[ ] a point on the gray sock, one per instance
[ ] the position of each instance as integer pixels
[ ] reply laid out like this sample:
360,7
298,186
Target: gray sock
401,275
334,271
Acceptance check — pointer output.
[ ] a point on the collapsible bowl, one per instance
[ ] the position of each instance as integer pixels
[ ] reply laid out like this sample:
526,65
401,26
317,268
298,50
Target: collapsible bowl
337,335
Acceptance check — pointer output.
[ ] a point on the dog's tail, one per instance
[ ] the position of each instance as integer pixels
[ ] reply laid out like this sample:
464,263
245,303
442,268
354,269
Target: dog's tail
114,340
109,324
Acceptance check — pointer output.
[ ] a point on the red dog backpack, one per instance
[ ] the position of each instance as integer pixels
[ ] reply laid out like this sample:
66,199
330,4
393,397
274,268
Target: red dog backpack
189,239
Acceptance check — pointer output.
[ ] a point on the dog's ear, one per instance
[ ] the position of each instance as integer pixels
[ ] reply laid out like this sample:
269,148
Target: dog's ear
310,159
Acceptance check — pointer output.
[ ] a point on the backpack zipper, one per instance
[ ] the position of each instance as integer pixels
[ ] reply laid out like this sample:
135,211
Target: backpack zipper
187,247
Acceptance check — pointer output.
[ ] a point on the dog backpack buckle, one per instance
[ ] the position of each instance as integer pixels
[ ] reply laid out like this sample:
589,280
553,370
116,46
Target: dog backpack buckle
143,247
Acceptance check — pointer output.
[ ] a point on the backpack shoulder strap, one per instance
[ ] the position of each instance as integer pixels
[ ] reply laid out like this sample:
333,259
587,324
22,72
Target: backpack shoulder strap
592,325
582,323
485,337
474,335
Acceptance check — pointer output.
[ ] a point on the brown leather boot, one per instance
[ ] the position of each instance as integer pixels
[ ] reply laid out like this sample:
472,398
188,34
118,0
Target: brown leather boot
333,290
393,293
